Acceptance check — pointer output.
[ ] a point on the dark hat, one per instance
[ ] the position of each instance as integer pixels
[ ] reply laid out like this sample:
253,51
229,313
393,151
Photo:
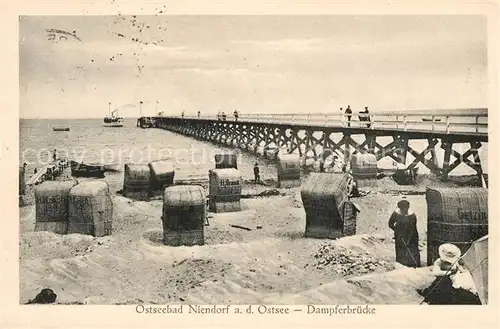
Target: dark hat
403,204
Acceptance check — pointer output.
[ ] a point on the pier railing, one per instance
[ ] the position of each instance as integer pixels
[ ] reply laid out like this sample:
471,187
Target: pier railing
309,134
444,121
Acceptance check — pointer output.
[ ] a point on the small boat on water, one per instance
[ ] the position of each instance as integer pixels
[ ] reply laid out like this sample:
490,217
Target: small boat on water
113,120
60,128
87,170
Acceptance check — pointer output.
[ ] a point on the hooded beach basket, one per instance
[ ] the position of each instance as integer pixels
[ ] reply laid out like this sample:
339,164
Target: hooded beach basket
162,175
137,181
288,170
455,215
364,169
329,213
226,160
184,215
52,206
225,190
90,209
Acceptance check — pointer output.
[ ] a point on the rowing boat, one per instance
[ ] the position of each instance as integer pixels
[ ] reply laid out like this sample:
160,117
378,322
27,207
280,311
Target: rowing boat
87,170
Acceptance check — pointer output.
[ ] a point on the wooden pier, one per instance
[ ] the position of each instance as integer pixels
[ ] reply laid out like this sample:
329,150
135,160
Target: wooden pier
312,135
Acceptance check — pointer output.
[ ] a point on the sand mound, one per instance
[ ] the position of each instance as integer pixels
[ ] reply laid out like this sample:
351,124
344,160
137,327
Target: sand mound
394,287
346,262
48,245
115,273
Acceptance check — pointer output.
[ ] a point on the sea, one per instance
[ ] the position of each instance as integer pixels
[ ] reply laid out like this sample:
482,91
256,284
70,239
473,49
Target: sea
89,141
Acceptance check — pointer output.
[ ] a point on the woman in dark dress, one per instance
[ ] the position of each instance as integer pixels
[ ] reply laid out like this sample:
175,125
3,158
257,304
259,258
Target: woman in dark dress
404,224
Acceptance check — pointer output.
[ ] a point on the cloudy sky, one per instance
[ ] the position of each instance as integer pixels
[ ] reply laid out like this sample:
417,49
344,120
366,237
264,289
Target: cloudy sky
284,64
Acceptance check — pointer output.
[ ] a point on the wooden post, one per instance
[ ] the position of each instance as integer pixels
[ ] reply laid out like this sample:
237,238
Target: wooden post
326,136
476,159
432,141
370,142
402,149
347,148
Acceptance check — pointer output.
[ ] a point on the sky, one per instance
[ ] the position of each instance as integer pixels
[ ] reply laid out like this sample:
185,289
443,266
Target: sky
255,64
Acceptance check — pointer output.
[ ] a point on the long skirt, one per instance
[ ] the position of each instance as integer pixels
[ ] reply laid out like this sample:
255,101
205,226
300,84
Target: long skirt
407,253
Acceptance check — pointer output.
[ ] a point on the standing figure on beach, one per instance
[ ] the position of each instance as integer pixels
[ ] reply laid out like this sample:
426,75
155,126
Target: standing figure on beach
404,224
256,172
348,113
235,115
54,155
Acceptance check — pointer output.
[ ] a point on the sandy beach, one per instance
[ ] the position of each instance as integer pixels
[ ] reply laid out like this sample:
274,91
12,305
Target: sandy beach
269,263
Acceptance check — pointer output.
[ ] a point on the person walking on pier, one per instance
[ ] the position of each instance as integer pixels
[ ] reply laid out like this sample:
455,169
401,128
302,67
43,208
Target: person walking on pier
199,114
348,113
182,114
365,116
219,116
224,117
235,115
256,173
404,224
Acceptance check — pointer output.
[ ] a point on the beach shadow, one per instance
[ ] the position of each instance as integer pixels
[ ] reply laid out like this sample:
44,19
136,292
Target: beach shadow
291,235
154,237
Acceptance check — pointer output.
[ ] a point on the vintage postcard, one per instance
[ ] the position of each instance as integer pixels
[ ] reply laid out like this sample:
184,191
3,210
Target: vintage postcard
270,165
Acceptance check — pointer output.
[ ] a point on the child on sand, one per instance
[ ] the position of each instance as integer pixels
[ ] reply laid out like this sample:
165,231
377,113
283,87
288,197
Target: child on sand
256,173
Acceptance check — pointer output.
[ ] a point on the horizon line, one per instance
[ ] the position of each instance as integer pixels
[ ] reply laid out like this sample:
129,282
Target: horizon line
417,112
